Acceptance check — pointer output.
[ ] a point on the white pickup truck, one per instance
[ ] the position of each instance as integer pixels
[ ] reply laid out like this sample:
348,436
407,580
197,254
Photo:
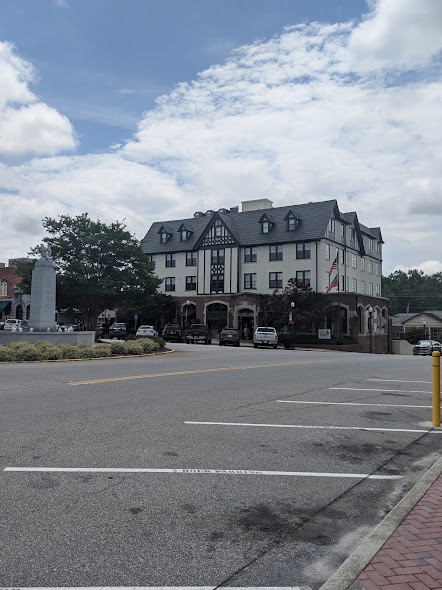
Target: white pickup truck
265,336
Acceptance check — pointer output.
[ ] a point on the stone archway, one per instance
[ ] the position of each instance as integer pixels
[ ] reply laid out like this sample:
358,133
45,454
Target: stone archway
245,317
19,312
217,315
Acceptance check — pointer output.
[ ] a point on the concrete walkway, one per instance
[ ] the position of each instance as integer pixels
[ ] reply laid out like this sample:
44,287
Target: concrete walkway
404,552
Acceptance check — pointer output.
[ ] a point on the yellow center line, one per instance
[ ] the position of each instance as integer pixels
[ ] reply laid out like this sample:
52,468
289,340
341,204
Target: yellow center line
171,374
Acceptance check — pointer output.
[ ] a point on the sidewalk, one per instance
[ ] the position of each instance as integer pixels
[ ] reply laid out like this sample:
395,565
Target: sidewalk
404,552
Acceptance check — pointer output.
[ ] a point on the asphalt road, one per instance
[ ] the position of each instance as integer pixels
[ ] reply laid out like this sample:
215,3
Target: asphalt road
241,486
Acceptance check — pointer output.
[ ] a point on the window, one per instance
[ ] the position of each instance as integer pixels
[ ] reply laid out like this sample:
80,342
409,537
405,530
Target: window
190,283
341,257
303,278
217,283
352,234
378,270
354,286
190,258
370,244
265,227
151,260
347,284
378,247
363,264
250,254
275,280
275,252
3,288
218,228
291,223
354,261
218,256
370,267
370,288
331,226
327,251
378,290
363,287
170,260
250,281
303,250
183,235
346,259
342,231
164,236
170,283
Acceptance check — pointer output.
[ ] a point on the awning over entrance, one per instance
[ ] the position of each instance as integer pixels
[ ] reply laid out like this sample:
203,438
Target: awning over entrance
5,305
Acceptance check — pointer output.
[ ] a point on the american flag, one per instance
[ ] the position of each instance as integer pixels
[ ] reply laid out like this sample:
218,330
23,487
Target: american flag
334,266
334,283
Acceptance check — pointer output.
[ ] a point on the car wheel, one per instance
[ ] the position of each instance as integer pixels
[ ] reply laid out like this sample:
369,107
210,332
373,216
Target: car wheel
255,346
275,346
220,343
237,344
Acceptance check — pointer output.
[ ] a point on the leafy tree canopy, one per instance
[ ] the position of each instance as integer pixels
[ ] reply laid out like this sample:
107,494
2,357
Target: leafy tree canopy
412,291
310,307
97,265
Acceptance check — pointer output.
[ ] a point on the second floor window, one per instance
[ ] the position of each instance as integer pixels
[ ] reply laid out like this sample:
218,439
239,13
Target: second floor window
363,264
190,258
217,283
303,278
218,256
353,261
151,260
303,250
275,252
170,260
170,283
331,226
3,288
363,287
370,267
354,285
250,254
250,281
190,283
275,280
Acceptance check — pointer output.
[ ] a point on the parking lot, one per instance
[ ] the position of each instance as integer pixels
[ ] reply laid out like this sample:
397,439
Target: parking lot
211,466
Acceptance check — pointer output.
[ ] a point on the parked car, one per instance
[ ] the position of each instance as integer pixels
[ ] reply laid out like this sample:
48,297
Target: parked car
15,324
229,336
147,331
198,333
172,332
265,336
2,325
120,330
427,347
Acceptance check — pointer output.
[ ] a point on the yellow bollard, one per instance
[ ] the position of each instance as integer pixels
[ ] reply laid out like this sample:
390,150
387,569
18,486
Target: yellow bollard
436,388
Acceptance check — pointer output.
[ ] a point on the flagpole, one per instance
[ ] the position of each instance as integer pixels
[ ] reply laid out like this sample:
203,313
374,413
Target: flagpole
339,293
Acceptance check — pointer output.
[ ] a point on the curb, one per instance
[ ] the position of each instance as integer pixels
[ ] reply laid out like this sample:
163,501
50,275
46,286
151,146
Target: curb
349,571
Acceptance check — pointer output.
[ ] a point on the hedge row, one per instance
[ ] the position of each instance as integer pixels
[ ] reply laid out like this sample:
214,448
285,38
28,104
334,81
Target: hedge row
45,351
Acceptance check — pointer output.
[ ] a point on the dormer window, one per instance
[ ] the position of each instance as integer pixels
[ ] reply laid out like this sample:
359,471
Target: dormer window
218,228
184,232
165,234
266,224
265,227
292,221
183,235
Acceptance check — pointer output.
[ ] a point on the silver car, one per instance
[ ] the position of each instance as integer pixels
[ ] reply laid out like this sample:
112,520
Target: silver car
427,347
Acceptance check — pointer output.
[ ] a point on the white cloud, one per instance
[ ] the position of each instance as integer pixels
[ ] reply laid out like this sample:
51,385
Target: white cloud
124,91
429,267
295,119
27,126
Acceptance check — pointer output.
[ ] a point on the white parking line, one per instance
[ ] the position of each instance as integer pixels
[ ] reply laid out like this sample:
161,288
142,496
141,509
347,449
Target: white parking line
399,381
288,401
196,471
316,427
154,588
380,390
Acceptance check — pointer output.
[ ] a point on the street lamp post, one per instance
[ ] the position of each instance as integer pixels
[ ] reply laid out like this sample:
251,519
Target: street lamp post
186,316
370,315
425,326
292,327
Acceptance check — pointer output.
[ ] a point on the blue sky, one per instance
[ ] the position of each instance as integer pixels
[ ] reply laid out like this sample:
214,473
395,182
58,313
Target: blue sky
149,109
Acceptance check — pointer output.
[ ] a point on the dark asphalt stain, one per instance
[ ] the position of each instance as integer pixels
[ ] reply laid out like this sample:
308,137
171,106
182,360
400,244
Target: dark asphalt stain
85,477
35,457
189,508
376,414
279,522
135,510
171,454
45,482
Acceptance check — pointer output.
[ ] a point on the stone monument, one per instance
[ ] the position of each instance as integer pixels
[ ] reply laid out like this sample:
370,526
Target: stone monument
42,317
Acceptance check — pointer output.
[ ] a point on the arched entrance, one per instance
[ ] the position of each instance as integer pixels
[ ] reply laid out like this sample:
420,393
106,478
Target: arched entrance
246,317
216,316
19,312
188,314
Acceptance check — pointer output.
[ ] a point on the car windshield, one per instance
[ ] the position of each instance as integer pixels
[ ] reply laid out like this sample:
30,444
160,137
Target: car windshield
424,343
119,326
265,329
229,331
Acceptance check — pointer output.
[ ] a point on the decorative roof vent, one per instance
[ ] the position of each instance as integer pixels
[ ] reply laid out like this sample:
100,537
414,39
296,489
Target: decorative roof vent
234,209
222,210
198,214
210,212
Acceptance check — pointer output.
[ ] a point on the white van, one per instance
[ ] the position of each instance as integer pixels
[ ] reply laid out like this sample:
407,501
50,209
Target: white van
11,324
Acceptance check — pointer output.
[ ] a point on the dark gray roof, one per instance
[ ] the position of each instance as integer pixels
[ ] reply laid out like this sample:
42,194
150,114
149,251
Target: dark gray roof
400,318
246,229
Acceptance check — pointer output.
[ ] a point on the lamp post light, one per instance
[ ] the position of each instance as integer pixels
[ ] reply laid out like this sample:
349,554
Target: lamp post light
292,327
186,316
370,315
425,326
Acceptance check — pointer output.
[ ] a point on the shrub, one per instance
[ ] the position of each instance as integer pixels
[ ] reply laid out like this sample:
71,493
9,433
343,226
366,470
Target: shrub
68,351
148,344
117,347
48,351
85,351
6,354
27,352
101,350
134,347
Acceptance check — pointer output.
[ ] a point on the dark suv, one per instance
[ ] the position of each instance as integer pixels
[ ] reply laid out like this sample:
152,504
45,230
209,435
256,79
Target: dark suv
120,330
229,336
172,332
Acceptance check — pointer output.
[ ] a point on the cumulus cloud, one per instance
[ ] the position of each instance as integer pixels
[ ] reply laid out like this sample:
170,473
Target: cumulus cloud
27,125
297,118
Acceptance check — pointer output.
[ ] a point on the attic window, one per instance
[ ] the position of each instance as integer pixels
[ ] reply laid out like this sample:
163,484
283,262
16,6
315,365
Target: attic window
218,228
265,227
164,236
184,234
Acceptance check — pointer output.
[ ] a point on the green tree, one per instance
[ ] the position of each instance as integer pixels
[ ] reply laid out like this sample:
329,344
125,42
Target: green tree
310,307
97,265
412,291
